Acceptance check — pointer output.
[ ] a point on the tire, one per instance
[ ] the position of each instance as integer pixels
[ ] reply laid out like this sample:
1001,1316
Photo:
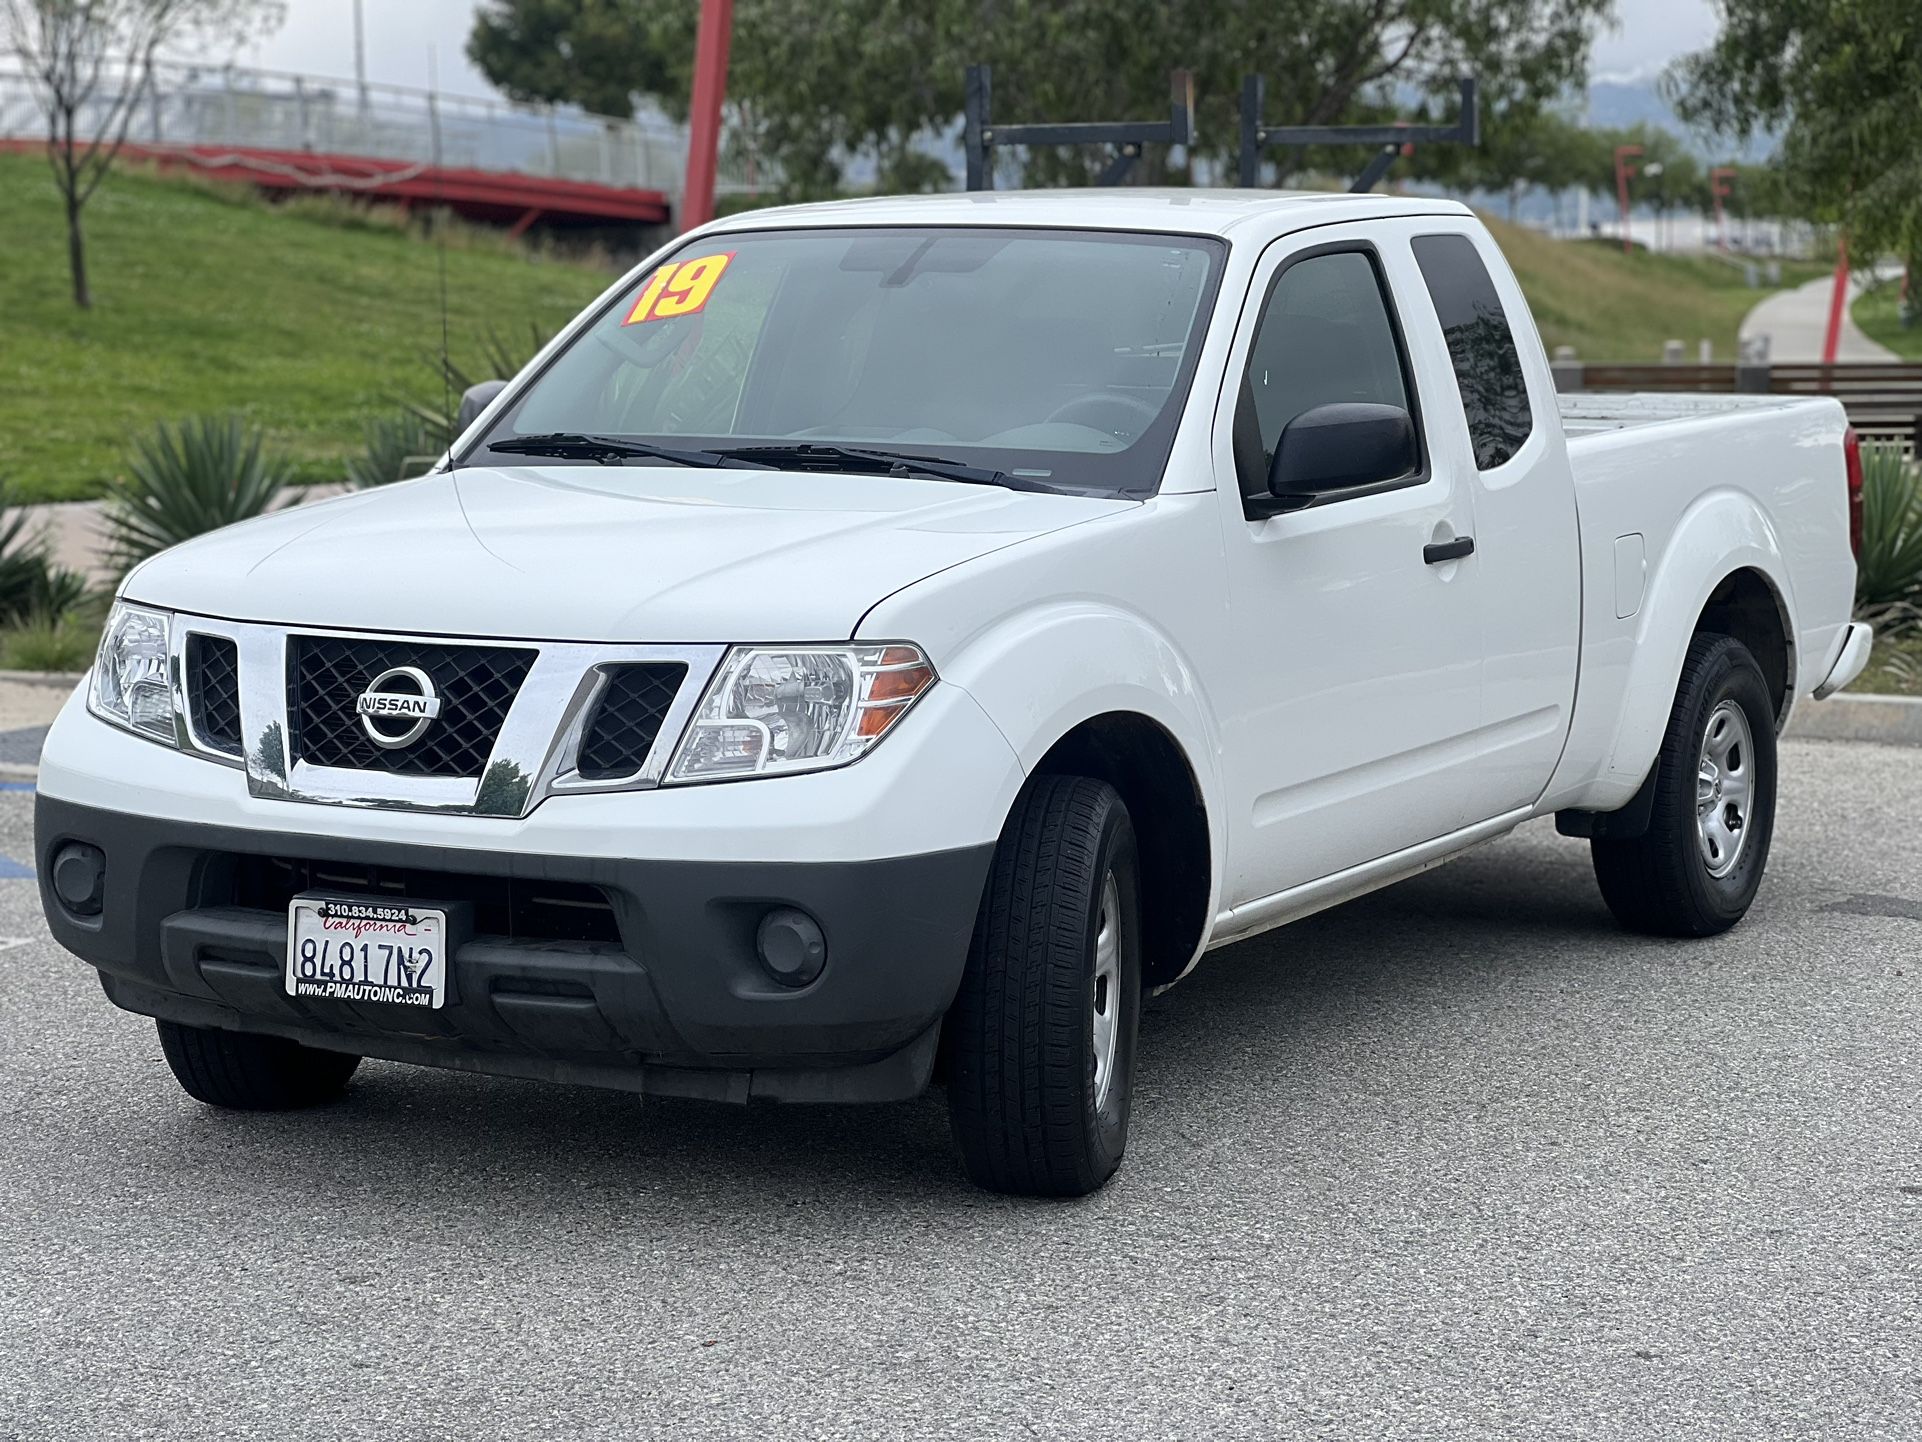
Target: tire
1021,1036
252,1073
1674,881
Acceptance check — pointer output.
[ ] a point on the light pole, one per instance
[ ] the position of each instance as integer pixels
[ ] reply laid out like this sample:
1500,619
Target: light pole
360,58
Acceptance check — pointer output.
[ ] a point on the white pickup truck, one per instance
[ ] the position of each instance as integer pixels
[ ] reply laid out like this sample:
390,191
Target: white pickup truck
877,642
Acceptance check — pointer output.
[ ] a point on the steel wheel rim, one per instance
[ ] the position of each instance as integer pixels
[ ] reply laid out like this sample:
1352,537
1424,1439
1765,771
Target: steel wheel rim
1105,993
1724,789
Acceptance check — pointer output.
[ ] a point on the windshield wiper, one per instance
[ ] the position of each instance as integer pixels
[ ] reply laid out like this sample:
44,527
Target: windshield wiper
895,462
610,450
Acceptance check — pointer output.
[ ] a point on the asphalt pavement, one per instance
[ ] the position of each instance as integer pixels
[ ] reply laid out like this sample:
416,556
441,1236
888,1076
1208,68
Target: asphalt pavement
1456,1160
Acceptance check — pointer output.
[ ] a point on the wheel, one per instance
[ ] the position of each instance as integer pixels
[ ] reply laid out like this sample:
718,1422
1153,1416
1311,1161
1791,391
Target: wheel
1697,869
252,1073
1041,1036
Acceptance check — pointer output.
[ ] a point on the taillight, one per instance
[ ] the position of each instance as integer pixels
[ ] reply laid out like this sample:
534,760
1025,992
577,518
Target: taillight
1852,459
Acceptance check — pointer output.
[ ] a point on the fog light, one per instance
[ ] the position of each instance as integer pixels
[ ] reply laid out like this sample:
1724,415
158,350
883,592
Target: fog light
80,877
792,947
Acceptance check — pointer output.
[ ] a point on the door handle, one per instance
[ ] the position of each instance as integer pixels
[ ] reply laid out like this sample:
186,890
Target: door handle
1434,555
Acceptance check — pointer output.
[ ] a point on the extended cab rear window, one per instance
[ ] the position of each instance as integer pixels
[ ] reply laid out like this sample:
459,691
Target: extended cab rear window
1488,369
1061,357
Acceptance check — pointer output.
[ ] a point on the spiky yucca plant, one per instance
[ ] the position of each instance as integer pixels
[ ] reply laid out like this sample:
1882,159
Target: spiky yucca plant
1889,571
396,449
183,481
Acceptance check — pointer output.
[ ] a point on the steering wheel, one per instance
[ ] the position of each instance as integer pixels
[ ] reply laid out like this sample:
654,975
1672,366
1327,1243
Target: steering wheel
1116,412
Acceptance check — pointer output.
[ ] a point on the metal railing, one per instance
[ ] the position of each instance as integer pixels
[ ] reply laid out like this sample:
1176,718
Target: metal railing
183,104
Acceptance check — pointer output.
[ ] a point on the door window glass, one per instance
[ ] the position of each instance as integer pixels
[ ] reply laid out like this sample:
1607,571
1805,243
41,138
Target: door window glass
1324,338
1488,369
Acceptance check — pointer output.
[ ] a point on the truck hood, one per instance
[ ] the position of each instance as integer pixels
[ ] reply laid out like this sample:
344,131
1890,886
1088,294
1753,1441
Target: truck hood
575,553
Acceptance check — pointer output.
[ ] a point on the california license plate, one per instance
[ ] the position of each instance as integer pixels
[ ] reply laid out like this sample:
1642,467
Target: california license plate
340,949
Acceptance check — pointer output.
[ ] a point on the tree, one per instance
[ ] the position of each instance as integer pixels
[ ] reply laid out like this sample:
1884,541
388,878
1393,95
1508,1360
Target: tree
819,84
1844,77
90,64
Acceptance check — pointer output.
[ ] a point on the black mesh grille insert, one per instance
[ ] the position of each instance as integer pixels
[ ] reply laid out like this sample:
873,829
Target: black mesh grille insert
213,691
627,718
476,685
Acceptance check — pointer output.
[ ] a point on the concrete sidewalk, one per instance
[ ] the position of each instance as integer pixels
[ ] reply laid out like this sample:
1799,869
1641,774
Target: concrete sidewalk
1796,323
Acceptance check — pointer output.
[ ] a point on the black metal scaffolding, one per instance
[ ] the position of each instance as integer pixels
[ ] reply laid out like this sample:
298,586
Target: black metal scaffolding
1389,140
981,135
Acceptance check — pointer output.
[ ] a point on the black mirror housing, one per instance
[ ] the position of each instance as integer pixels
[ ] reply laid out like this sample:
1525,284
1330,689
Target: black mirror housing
475,399
1334,449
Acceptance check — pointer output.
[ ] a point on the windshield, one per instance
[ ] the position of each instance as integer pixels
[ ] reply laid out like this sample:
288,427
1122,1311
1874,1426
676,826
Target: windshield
1054,359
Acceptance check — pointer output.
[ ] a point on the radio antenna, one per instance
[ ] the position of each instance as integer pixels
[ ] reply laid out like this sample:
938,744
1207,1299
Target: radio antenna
440,251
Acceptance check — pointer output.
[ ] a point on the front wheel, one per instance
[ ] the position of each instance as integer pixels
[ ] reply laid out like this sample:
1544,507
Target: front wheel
1697,868
254,1073
1041,1037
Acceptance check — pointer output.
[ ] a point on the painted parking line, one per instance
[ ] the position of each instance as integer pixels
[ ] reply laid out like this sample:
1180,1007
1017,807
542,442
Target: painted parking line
11,870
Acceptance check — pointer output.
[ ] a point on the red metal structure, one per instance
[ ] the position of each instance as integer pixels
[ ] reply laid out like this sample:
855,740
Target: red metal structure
490,195
1838,301
1622,154
704,113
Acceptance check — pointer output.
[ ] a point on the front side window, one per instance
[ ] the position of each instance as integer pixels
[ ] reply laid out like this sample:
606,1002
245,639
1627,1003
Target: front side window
1060,358
1324,338
1488,369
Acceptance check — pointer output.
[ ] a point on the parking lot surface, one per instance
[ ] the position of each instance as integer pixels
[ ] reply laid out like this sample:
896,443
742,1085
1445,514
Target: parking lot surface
1459,1159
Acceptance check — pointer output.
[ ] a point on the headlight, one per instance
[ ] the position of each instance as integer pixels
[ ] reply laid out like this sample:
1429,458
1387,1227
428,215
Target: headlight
130,683
772,710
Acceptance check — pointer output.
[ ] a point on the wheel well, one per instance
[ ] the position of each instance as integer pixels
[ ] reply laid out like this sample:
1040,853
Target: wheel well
1145,765
1746,607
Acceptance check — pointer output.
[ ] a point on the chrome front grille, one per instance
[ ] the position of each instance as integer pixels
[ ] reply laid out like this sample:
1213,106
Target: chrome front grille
515,722
474,684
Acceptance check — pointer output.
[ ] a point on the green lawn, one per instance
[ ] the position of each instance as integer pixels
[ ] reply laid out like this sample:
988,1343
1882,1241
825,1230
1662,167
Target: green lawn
212,301
1621,308
1879,314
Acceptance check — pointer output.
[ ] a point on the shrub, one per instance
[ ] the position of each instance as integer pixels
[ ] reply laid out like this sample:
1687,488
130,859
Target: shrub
185,481
1889,572
396,450
31,584
48,644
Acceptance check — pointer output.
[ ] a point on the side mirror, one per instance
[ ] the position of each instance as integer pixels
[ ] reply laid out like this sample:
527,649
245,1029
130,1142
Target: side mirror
1337,448
474,400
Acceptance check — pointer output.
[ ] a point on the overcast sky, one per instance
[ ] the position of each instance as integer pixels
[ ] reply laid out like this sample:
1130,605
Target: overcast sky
408,39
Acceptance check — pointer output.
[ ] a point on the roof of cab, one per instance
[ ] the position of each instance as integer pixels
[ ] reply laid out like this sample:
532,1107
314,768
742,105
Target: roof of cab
1191,212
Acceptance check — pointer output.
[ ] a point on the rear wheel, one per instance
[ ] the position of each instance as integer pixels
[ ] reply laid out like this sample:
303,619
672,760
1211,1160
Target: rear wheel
1041,1035
252,1073
1696,870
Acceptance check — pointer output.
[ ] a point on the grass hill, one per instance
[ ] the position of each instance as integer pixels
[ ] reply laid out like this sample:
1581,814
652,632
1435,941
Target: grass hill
306,318
1616,307
311,317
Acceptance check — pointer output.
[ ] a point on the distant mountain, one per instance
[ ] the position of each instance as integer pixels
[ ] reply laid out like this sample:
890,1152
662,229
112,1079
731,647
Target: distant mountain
1620,101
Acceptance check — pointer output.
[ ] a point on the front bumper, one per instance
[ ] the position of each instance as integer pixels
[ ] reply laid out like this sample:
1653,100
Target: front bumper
637,974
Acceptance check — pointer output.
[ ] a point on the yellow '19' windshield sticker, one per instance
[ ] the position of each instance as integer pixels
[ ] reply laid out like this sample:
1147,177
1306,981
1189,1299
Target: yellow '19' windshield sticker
678,288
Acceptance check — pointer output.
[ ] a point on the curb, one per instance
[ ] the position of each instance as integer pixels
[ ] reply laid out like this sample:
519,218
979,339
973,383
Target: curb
65,680
1892,720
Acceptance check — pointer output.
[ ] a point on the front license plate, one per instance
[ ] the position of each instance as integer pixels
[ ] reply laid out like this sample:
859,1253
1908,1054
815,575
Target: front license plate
339,949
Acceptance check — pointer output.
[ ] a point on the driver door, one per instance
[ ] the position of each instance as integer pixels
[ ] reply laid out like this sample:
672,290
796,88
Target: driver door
1358,683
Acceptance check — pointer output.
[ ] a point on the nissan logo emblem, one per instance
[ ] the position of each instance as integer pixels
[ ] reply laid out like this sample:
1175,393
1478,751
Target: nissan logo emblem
412,709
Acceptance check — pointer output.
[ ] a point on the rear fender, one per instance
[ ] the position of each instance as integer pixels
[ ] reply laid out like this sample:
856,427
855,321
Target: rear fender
1724,532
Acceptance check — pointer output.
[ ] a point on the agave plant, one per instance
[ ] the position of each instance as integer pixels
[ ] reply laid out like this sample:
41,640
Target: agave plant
32,585
1889,571
183,481
396,449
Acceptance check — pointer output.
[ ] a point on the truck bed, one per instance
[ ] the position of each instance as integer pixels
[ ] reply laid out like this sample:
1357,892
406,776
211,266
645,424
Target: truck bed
1590,413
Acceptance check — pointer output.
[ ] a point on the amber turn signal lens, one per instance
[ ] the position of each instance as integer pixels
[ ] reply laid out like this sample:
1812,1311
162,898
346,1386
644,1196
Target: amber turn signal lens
902,685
